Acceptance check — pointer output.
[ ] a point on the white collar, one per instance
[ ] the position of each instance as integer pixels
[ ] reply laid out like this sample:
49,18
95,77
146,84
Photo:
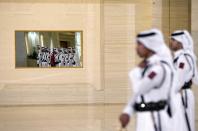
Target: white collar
178,53
153,59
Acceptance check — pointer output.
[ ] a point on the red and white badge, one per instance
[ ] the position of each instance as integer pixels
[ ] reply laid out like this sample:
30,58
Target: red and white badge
181,65
152,75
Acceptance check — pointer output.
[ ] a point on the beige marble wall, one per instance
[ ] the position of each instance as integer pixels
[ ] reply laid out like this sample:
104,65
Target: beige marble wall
194,25
157,13
109,27
49,15
122,20
194,29
170,15
180,15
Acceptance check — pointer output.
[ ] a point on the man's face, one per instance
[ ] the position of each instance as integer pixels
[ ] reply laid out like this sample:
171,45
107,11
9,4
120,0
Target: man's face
141,50
175,45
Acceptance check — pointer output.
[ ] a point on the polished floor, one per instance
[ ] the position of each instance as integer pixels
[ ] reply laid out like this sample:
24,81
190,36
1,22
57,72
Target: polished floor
62,118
